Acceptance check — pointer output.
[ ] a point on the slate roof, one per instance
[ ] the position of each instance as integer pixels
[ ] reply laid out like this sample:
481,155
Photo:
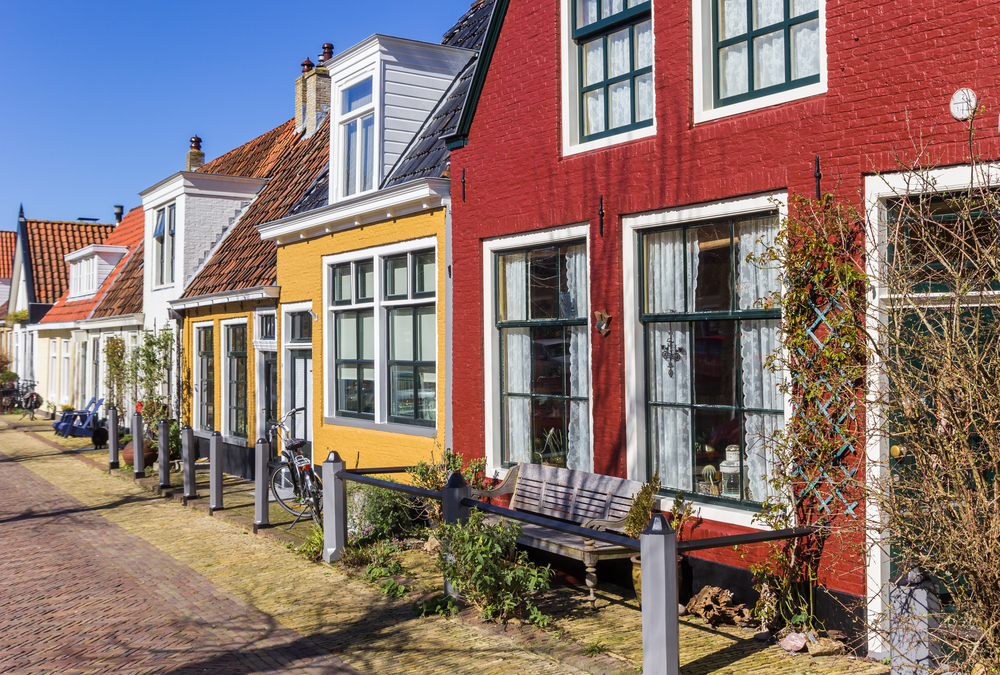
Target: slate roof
291,164
127,233
8,242
427,155
47,243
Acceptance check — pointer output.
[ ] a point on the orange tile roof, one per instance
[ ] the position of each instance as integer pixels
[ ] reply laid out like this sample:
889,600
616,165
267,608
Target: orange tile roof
47,243
128,233
8,242
290,163
124,297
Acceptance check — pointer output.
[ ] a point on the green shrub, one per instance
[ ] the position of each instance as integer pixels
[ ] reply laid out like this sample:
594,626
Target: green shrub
439,604
312,547
393,588
377,513
384,562
486,568
434,474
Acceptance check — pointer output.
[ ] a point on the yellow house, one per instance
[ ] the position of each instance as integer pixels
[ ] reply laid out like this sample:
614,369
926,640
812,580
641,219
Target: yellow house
363,262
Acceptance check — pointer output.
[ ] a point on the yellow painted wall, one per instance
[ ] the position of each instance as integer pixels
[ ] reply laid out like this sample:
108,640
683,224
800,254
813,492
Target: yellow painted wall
217,314
43,359
301,277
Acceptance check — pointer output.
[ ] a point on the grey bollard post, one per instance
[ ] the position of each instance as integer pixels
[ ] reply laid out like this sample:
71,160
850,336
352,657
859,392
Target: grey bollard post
113,462
452,509
138,461
914,616
261,515
660,638
215,472
187,463
334,509
163,449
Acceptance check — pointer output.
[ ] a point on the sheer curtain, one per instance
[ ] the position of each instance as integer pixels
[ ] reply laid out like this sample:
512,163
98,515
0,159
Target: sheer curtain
619,63
517,360
769,59
670,353
759,339
578,454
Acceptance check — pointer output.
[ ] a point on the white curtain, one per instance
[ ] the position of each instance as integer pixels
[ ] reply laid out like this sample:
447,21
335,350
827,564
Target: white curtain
759,339
593,62
586,12
665,270
576,281
517,360
595,110
805,49
515,269
670,382
612,7
769,59
578,455
768,12
733,19
734,69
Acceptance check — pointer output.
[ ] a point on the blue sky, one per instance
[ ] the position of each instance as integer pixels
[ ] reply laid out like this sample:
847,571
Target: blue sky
98,99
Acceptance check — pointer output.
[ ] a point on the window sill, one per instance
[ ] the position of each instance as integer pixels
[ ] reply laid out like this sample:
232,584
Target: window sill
608,141
198,433
405,429
807,91
236,440
164,287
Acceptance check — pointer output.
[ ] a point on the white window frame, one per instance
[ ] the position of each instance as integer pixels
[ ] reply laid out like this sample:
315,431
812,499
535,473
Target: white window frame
64,373
164,255
197,375
635,366
262,345
345,118
380,306
83,278
53,369
491,335
284,330
570,72
703,60
227,435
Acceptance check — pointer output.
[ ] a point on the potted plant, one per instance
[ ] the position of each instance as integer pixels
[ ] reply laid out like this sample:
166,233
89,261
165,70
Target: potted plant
638,517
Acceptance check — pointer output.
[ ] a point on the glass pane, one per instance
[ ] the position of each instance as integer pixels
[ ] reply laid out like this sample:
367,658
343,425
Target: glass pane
351,158
593,111
610,7
517,423
267,326
769,59
800,7
621,104
549,354
643,44
347,387
543,283
402,398
805,49
761,386
395,277
427,332
516,360
401,334
367,335
426,393
368,152
714,431
586,12
573,284
759,459
713,289
425,270
669,363
358,96
593,62
366,280
368,390
665,272
733,73
347,335
754,282
768,12
715,362
513,285
644,97
732,18
670,445
577,363
342,283
619,53
548,416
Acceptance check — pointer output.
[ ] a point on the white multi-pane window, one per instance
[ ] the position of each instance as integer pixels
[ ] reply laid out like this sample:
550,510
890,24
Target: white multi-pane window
164,235
357,121
83,277
383,315
64,374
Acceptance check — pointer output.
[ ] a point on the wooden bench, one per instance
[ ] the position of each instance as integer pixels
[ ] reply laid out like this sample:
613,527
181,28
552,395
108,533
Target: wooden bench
587,499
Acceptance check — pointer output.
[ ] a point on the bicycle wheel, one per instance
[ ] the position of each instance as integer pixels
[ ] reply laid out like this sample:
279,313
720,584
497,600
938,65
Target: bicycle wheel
284,492
314,489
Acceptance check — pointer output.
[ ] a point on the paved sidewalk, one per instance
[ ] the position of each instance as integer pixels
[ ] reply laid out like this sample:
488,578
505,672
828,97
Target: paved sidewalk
99,576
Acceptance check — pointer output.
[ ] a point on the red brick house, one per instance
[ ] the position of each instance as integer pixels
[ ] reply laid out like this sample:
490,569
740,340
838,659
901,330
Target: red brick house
624,157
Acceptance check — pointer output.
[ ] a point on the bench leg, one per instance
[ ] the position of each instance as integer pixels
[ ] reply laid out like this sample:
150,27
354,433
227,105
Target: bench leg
590,561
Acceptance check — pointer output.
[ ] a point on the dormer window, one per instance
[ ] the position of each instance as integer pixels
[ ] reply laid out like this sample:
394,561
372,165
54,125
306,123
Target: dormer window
163,245
83,277
89,267
358,129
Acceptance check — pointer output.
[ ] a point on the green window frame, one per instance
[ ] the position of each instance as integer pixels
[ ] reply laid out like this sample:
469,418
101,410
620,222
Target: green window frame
412,364
236,353
547,324
206,378
617,21
759,35
694,342
355,363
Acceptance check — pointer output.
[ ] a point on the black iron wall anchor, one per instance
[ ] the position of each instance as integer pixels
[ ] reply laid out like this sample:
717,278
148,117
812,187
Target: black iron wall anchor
817,175
600,214
463,185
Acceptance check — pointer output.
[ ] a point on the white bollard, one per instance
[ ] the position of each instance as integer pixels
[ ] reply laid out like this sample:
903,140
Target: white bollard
334,509
261,515
660,637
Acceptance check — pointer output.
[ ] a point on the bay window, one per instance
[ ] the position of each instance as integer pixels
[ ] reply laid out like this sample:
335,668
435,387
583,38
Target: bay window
712,403
541,321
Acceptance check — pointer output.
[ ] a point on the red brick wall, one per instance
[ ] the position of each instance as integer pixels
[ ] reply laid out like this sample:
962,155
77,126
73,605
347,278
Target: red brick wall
892,68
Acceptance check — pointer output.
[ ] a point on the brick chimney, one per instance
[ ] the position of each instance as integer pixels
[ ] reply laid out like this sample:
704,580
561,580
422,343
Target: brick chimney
312,94
195,157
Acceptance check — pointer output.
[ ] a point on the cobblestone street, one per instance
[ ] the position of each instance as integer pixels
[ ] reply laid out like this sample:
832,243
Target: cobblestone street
102,576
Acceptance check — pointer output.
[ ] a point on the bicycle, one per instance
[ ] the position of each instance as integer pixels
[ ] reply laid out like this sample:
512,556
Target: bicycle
295,485
27,398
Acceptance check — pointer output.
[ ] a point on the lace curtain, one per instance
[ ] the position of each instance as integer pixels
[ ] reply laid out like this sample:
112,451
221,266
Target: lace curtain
517,360
578,455
759,339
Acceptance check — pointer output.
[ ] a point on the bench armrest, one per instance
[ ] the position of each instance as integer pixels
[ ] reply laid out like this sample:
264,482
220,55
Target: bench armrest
505,488
602,525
